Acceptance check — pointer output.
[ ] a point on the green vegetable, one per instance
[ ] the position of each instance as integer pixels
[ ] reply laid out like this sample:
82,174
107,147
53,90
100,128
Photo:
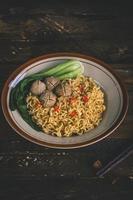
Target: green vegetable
66,70
73,74
25,115
71,68
60,68
12,102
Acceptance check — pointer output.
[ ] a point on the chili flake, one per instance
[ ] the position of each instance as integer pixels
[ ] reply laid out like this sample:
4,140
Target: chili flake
81,88
73,114
85,99
56,109
72,100
38,104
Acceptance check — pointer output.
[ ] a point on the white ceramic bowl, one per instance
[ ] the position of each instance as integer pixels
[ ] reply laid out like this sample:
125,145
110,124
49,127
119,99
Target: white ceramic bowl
116,100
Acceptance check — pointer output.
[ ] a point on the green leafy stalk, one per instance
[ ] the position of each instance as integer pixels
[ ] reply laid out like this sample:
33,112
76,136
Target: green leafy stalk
58,68
69,75
70,68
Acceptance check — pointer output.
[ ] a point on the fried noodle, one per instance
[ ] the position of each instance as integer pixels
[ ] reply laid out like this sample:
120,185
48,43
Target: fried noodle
74,114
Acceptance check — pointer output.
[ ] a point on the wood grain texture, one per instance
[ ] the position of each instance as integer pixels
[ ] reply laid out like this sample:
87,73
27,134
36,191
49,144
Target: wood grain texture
69,189
103,30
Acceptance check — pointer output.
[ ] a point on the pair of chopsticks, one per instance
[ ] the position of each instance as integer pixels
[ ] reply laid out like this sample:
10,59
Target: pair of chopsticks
118,159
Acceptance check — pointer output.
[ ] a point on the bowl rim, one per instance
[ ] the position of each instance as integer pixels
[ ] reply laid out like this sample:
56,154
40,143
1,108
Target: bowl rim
64,146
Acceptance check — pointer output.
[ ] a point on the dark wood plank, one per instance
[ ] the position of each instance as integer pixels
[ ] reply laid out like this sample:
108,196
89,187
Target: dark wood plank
108,51
38,27
21,159
60,189
36,31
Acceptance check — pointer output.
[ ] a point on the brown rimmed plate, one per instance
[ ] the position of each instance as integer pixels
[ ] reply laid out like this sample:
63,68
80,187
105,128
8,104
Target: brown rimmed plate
115,95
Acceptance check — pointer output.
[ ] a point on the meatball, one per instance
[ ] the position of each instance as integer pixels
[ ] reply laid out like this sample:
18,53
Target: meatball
51,82
48,98
38,87
63,90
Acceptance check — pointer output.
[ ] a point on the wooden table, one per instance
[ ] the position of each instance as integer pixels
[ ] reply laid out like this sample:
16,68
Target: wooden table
103,30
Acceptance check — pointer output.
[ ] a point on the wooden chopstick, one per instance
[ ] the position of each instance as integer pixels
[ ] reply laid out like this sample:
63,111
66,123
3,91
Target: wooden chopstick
122,156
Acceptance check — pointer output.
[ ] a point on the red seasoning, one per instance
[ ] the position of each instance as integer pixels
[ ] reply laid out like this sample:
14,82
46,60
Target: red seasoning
81,88
56,109
72,100
38,104
73,114
85,99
